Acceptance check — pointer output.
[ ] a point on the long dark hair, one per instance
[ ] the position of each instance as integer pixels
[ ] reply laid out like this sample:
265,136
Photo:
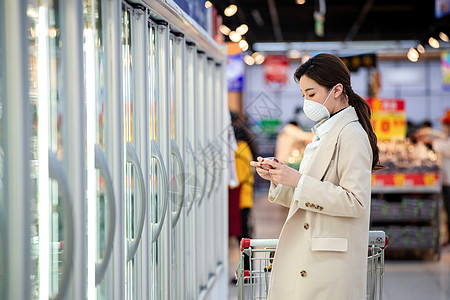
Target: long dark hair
329,70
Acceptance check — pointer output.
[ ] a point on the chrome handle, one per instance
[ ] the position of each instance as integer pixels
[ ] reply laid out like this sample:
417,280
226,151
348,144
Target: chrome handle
133,159
213,167
156,227
205,175
56,172
102,165
194,188
219,168
175,151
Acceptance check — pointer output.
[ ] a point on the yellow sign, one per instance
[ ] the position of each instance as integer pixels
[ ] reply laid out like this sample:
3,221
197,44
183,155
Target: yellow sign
388,125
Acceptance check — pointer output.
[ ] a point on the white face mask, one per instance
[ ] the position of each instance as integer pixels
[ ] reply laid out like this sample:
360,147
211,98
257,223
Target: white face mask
316,111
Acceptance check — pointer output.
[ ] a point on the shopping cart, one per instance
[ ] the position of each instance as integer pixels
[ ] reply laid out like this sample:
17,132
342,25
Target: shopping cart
255,265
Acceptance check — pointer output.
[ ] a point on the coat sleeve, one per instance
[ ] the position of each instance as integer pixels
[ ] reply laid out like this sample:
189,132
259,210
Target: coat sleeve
351,197
281,194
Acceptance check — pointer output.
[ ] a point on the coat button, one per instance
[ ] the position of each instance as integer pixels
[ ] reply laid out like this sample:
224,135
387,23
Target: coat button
320,208
303,273
307,204
313,206
306,226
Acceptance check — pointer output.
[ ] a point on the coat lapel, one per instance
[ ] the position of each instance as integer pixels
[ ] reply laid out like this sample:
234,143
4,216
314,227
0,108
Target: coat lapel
321,157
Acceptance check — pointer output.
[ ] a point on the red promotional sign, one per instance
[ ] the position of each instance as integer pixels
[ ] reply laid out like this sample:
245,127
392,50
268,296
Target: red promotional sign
276,69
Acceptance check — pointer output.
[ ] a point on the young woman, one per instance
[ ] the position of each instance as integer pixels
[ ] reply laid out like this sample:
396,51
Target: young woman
322,248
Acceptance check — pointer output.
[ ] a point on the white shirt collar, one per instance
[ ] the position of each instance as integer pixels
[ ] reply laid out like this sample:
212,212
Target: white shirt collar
324,126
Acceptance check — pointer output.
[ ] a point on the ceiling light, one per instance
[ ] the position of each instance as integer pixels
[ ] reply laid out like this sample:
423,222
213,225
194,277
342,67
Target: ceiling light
243,45
433,42
300,2
224,29
249,60
294,54
242,29
234,36
413,55
421,48
208,4
230,10
443,37
258,57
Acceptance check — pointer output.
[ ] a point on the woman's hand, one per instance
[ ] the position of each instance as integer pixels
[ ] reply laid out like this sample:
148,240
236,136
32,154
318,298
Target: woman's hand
261,172
280,173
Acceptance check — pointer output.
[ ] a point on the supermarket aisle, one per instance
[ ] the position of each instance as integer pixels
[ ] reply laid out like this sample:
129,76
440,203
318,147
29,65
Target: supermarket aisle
412,280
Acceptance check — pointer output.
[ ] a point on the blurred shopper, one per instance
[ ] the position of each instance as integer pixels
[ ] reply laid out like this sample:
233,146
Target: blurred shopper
291,143
440,143
322,248
234,189
244,155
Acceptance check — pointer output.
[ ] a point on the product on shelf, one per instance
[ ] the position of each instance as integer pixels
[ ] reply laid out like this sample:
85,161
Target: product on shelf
406,157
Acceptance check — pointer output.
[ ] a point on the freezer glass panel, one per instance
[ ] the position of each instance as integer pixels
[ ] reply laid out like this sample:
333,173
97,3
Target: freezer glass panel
175,170
97,221
49,132
156,195
131,180
191,179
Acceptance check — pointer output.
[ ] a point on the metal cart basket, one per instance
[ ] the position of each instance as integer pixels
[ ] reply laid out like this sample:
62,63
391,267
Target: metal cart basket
255,265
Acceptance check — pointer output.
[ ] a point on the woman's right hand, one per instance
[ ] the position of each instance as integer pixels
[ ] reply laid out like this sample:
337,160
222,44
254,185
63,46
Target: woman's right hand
261,172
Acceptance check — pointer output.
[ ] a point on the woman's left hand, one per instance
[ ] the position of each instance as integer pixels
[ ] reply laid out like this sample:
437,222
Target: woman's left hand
283,174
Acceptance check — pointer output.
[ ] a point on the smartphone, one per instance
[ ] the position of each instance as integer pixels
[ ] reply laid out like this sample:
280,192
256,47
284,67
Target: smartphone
267,166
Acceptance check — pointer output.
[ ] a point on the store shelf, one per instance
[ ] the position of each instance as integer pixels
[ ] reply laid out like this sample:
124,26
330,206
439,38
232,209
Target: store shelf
404,189
405,206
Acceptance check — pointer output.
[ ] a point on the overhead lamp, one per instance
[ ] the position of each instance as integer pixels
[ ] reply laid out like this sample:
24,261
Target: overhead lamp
249,60
300,2
413,55
230,10
243,45
294,54
433,42
208,4
234,36
443,37
224,29
258,57
421,49
242,29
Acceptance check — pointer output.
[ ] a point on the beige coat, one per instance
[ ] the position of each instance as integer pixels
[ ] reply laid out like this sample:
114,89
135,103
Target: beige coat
322,248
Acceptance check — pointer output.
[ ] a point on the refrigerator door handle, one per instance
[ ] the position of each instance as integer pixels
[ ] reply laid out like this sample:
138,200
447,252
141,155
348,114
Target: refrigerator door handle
194,188
133,159
102,165
156,227
175,151
56,172
212,159
219,166
205,175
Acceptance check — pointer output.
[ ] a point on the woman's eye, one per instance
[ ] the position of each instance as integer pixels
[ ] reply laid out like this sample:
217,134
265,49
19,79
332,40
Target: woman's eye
312,95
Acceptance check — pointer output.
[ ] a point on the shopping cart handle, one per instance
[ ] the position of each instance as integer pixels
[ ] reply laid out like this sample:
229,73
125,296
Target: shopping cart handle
386,243
245,243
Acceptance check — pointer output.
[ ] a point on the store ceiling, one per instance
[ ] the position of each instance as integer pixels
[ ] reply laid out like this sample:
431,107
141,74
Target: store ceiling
345,20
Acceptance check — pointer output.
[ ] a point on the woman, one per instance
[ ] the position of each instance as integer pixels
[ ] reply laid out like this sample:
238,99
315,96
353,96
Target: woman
322,248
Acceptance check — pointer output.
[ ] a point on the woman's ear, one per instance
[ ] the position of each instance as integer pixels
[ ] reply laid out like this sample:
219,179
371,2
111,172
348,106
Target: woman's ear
338,90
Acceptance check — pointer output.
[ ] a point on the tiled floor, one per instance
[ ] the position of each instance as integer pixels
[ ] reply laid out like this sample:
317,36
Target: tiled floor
403,280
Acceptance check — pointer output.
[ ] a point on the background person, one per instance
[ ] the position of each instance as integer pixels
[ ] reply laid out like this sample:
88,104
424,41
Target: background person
439,141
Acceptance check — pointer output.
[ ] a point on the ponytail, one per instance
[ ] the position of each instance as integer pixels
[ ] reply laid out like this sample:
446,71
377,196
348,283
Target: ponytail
364,115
